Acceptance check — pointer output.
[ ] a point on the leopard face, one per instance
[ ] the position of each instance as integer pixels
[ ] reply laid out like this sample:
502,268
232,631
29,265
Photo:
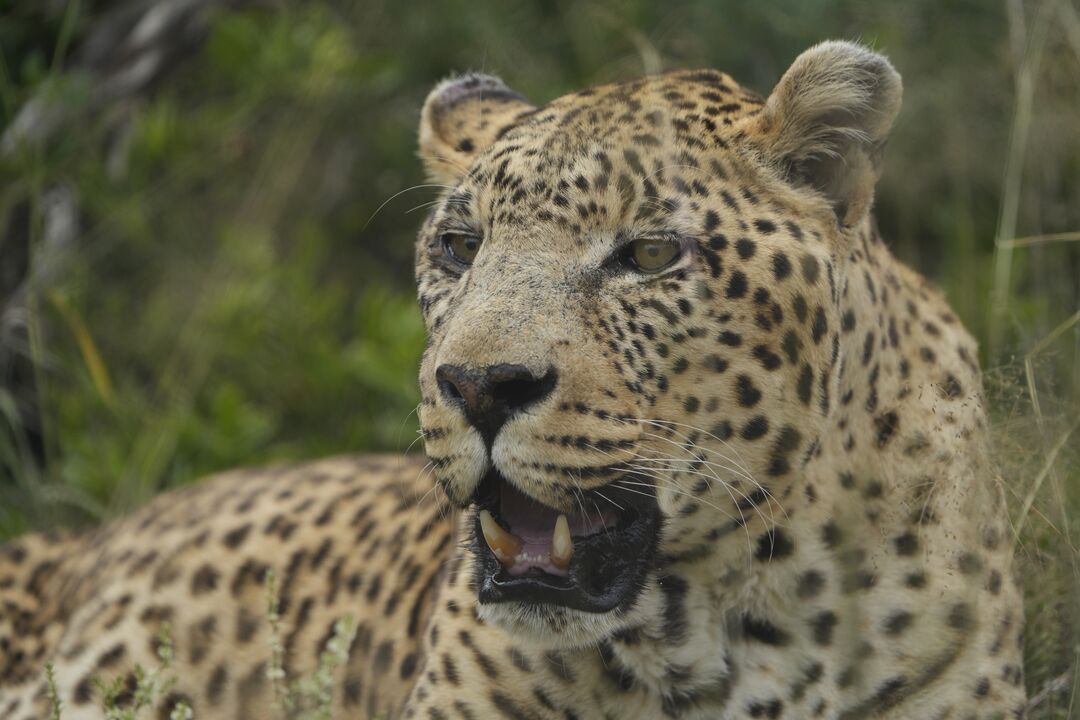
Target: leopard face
633,317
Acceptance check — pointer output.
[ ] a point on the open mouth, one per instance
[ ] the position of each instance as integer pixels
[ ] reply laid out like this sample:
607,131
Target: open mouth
594,559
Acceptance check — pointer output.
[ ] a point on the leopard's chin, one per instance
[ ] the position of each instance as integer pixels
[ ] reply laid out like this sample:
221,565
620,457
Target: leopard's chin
552,627
532,556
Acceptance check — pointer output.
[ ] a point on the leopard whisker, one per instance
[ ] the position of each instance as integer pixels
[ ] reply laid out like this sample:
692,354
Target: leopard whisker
579,495
668,424
729,487
738,470
649,471
429,465
748,476
738,508
733,468
698,461
677,491
400,193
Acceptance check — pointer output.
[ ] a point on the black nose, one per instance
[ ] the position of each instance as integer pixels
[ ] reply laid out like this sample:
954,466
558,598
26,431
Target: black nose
490,396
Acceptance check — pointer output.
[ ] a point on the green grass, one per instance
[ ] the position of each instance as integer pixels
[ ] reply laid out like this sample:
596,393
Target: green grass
124,699
240,291
308,697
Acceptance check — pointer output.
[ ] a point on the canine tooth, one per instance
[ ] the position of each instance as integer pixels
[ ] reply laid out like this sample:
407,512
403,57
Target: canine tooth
505,545
562,547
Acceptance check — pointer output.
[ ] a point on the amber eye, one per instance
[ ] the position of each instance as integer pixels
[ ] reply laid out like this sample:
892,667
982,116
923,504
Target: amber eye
652,254
461,247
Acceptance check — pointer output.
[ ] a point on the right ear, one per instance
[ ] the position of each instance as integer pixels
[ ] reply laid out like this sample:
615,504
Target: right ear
461,117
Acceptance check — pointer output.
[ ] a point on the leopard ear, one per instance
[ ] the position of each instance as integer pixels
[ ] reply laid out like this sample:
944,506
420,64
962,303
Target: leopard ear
825,123
461,117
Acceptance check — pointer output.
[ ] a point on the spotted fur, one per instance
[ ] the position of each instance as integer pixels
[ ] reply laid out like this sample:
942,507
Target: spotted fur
806,411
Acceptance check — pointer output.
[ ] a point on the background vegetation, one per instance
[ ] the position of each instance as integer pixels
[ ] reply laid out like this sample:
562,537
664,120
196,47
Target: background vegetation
208,264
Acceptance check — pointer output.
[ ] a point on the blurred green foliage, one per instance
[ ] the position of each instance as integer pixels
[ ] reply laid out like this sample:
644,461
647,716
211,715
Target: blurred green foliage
239,291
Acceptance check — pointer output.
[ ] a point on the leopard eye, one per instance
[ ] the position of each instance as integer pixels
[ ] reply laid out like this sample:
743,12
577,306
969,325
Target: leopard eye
652,255
461,246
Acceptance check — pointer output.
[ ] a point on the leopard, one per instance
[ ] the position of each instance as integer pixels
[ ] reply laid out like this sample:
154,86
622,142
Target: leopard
696,446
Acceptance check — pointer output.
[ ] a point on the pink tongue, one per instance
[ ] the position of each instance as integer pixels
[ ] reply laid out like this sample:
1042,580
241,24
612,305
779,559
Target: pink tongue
534,523
529,519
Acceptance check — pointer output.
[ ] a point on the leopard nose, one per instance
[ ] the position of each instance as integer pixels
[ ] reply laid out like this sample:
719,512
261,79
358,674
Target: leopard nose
492,395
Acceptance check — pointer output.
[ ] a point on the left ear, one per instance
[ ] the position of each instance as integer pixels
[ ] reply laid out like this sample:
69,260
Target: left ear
825,123
461,117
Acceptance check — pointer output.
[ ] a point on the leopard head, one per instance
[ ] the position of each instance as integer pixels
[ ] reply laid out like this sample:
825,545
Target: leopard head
631,299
